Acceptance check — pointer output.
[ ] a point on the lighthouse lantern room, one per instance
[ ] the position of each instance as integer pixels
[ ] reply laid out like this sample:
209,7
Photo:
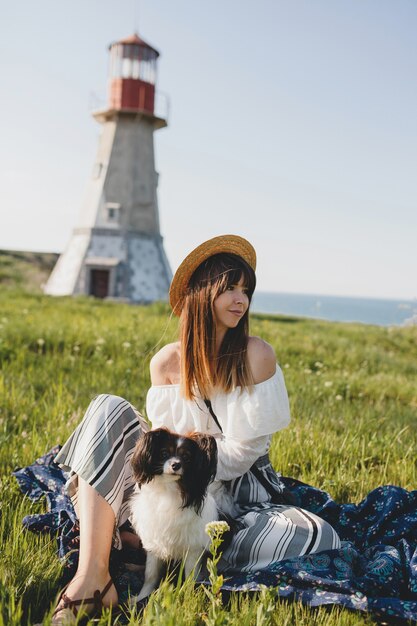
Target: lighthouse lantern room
133,65
116,250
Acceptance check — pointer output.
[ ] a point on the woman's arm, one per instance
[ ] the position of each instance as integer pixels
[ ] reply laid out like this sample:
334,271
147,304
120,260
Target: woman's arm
235,458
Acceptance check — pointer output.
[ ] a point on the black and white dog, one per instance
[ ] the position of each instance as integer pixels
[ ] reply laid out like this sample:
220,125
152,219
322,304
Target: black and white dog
172,506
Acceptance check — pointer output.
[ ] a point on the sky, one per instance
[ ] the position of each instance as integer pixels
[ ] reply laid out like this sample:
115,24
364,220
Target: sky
291,122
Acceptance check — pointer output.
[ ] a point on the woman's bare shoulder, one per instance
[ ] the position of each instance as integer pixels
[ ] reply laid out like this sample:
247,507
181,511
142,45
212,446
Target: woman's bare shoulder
261,359
165,365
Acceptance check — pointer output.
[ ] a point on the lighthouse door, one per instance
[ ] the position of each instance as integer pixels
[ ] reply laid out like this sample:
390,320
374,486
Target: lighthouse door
99,283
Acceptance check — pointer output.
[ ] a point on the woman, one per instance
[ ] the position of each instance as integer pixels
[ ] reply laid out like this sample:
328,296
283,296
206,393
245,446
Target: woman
219,380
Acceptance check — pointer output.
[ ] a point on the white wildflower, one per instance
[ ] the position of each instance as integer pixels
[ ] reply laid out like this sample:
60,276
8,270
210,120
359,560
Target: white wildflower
109,362
339,397
328,383
40,342
307,370
318,364
100,341
126,344
286,365
214,528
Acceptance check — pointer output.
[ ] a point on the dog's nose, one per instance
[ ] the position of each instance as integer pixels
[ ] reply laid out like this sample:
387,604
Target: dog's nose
176,465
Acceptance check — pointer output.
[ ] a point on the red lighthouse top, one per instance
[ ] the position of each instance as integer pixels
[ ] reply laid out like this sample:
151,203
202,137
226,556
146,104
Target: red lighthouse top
136,40
133,66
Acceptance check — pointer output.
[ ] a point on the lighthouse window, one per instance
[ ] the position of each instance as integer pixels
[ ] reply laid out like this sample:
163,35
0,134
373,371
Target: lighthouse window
147,71
117,67
113,212
116,60
144,71
135,68
127,68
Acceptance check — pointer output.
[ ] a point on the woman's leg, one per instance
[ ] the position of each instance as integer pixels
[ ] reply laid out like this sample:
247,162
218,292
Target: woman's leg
96,533
97,455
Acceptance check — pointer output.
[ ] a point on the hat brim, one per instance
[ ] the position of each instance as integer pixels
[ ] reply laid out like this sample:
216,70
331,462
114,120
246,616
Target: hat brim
232,244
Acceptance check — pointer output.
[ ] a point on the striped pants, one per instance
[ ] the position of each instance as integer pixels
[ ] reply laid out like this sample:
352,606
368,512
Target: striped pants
100,449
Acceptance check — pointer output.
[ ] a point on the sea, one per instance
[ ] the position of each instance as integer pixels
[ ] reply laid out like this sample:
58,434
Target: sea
338,308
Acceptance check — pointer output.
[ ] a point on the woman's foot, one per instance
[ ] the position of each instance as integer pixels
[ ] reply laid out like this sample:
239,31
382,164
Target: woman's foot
82,597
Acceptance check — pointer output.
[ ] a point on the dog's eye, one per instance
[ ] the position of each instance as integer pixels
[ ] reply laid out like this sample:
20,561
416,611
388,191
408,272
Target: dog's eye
186,457
164,455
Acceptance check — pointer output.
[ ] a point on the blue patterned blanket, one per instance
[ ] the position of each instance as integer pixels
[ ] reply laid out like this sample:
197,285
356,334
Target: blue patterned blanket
375,570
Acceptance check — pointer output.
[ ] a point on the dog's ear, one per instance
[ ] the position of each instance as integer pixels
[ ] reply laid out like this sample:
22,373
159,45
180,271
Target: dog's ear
208,447
201,472
145,456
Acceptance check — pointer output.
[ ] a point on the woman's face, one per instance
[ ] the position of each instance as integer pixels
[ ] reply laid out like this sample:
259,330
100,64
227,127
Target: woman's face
230,306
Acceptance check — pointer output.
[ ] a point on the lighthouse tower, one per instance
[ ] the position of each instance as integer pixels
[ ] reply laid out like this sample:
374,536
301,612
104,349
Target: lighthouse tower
116,250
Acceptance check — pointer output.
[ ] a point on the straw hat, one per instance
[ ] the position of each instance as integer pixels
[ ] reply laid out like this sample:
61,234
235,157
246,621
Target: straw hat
230,244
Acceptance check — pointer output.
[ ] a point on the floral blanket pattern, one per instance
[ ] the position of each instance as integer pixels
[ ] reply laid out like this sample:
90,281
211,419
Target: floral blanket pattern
375,570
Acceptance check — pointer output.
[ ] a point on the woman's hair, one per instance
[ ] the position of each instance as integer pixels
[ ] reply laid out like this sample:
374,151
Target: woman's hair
202,368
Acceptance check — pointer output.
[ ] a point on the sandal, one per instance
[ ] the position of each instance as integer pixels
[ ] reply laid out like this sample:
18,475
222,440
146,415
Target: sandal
69,606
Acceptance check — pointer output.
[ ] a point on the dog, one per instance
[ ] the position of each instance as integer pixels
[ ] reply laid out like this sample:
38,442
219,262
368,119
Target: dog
172,505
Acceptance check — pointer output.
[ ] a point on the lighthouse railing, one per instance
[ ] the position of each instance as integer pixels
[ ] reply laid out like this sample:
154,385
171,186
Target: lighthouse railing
162,105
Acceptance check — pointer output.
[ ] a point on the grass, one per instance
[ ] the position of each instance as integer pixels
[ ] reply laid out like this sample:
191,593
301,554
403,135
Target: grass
353,399
28,270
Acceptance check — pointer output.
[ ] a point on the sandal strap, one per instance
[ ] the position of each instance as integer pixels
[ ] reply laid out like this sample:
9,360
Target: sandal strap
106,588
96,600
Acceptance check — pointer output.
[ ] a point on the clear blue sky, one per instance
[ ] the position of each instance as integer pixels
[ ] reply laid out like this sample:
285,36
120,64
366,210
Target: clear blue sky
293,123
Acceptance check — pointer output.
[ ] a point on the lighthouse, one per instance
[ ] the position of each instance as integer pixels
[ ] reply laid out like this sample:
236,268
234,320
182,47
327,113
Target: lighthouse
116,250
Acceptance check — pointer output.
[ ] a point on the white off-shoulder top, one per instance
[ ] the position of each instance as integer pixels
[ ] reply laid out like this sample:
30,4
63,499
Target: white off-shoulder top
248,418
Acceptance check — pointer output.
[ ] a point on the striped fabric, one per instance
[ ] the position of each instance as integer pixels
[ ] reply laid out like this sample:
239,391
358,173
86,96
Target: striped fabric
271,532
100,450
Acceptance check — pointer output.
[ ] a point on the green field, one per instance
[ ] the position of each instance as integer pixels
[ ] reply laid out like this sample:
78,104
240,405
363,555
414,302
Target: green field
27,270
353,396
